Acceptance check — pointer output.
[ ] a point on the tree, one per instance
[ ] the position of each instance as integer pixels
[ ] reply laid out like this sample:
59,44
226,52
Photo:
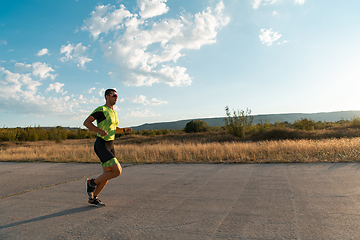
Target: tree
237,123
195,126
305,124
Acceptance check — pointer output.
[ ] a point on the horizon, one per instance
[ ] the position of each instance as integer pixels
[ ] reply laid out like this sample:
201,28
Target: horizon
173,60
189,119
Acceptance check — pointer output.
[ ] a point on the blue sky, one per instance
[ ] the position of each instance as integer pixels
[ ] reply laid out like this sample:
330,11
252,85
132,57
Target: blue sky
176,59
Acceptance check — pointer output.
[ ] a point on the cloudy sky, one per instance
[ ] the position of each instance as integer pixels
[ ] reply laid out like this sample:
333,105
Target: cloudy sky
176,59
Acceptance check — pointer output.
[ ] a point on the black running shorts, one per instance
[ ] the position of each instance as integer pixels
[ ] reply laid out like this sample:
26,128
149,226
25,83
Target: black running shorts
105,151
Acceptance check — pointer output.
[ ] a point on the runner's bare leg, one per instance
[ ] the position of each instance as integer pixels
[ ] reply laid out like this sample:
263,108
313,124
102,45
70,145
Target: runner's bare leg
109,173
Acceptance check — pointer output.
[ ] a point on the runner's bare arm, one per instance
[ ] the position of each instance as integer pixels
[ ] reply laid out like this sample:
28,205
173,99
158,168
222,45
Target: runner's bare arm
89,124
123,130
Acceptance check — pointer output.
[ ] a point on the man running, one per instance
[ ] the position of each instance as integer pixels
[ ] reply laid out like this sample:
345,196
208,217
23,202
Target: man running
106,128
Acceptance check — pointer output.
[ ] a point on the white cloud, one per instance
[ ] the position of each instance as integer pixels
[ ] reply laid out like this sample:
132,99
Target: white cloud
146,52
300,2
15,86
43,52
57,87
75,53
283,42
267,36
103,20
156,102
38,69
274,13
142,99
19,94
141,114
152,8
257,3
67,50
3,42
139,99
14,83
42,70
102,92
22,67
91,90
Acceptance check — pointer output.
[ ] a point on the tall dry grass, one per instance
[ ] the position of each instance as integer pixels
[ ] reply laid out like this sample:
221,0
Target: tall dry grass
330,150
138,151
48,151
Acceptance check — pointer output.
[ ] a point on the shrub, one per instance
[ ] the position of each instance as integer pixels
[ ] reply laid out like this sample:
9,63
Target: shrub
323,125
237,123
195,126
145,132
262,126
163,131
305,124
278,133
7,135
355,122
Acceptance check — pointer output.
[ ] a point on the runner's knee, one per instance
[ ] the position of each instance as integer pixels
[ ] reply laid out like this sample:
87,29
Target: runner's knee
116,171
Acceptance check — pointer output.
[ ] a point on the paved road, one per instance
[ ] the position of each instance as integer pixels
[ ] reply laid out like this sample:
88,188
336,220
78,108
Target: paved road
182,201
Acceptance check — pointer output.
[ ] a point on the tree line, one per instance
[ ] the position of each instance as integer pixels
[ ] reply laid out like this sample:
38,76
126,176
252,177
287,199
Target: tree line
39,133
237,123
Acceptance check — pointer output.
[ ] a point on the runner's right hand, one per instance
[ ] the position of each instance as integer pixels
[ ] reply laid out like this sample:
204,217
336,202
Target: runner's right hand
103,133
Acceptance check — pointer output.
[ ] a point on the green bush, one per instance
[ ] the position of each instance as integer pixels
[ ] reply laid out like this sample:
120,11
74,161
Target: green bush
323,125
305,124
262,126
237,123
145,132
355,122
196,126
162,131
277,133
7,135
21,134
38,134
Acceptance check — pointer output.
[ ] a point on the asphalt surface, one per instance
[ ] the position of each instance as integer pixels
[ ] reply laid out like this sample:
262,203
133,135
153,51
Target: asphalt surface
182,201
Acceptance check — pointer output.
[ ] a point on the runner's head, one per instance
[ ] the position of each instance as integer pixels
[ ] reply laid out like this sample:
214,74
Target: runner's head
111,96
109,91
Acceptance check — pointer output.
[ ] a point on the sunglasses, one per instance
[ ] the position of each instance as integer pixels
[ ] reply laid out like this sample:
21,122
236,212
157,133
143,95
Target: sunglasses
113,95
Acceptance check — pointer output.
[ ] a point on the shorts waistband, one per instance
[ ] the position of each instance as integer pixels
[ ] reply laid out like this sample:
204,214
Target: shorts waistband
102,140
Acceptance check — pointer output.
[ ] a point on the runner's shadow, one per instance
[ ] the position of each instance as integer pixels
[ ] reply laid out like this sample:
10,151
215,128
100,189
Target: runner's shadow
58,214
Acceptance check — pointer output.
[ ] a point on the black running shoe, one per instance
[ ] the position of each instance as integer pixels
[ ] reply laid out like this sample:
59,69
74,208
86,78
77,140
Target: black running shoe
90,189
96,202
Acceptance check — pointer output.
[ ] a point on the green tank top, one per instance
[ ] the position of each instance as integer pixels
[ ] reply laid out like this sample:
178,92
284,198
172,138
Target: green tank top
107,120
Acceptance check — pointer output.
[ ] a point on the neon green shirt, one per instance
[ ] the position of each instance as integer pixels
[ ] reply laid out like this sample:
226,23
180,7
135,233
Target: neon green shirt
107,120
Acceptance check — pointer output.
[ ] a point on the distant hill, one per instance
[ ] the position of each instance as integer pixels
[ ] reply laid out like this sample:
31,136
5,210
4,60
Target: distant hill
272,118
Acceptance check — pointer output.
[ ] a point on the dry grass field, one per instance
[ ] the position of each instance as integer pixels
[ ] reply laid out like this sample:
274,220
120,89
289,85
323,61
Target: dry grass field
213,147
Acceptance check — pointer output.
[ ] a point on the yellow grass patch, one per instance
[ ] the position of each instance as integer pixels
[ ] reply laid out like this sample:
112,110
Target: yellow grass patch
327,150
